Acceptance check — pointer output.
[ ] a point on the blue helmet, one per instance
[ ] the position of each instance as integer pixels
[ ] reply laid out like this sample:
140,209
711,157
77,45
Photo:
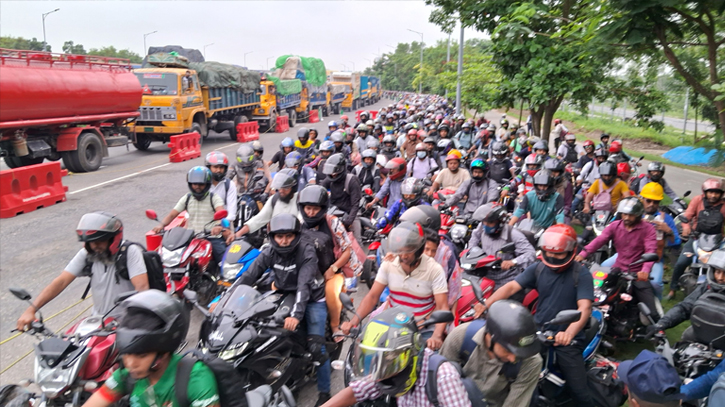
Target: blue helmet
199,175
327,145
287,142
293,159
332,124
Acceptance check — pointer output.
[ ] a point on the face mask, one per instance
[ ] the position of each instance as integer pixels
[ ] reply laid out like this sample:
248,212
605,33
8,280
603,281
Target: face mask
490,230
421,154
532,172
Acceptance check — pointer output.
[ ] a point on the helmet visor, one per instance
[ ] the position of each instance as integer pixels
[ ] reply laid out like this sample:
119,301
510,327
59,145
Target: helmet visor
380,363
556,243
282,180
404,240
92,223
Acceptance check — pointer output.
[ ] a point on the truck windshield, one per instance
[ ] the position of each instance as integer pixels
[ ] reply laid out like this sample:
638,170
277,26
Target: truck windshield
154,83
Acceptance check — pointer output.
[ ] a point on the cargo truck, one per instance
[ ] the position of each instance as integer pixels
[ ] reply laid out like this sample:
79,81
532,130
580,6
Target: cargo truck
64,106
376,90
352,79
311,98
336,94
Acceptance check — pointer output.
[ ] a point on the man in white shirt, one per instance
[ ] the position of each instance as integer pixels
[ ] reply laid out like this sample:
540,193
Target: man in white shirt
221,186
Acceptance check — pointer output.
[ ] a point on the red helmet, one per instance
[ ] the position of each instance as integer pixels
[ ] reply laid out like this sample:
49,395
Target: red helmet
396,168
557,121
616,147
421,133
558,239
588,143
713,183
413,132
623,168
344,117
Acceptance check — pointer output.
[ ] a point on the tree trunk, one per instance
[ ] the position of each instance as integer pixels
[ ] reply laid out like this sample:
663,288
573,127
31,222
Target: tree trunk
720,106
549,111
536,115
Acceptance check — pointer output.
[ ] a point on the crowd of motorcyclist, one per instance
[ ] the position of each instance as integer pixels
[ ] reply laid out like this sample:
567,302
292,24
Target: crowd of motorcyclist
398,172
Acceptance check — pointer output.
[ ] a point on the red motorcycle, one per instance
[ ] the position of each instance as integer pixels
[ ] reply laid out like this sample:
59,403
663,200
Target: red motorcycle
187,258
69,367
448,214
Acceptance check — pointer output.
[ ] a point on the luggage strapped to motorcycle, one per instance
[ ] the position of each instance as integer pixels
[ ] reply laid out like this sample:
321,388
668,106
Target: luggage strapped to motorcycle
540,267
475,396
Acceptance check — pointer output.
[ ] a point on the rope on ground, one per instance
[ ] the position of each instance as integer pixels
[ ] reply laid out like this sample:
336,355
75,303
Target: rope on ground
4,341
58,331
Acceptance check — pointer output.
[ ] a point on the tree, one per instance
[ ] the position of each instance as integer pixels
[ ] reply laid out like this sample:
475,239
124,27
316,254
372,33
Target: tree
112,52
70,48
687,33
21,43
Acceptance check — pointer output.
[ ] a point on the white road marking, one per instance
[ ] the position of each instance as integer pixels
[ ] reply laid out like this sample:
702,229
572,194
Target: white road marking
117,179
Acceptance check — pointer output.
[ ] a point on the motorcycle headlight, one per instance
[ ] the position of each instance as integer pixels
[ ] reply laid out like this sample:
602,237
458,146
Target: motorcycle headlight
458,232
54,381
600,295
234,351
171,258
466,266
230,271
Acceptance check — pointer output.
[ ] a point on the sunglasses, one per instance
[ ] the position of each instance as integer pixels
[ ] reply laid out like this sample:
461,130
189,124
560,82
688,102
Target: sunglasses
650,201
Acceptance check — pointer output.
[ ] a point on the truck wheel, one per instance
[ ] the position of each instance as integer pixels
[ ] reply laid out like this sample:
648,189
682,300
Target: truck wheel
16,162
272,125
233,130
89,154
196,127
143,142
292,117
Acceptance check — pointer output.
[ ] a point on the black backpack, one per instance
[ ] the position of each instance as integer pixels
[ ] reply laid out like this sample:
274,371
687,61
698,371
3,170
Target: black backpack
710,220
152,260
227,379
606,391
431,384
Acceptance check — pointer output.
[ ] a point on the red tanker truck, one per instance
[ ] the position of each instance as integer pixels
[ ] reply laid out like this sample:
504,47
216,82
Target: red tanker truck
64,106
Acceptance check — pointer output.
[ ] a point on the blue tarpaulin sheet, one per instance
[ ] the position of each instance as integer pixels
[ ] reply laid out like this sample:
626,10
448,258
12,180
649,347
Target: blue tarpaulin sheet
690,155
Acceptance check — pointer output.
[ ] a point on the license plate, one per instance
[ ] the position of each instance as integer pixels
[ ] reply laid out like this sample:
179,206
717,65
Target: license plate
148,129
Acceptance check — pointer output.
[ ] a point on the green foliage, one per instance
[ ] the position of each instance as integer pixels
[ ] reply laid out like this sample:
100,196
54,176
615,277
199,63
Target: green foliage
112,52
70,48
21,43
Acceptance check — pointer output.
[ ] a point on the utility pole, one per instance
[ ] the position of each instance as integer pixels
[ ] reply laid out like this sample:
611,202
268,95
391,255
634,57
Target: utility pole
145,50
687,105
448,58
45,43
420,70
245,57
207,45
460,72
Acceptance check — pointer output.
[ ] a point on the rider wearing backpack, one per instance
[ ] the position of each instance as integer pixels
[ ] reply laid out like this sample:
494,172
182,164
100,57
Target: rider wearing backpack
606,192
500,354
390,361
102,235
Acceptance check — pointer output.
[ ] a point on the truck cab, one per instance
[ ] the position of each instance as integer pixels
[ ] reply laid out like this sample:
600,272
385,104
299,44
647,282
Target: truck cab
267,109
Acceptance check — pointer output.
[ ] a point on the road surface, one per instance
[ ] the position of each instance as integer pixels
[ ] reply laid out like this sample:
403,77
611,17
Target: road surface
702,126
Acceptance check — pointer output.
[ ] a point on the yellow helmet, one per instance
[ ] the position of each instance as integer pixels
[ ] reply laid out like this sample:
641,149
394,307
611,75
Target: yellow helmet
455,152
653,191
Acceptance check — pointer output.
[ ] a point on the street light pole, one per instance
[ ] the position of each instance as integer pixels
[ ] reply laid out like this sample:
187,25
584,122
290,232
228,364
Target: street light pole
344,67
460,72
353,65
420,70
245,57
146,50
207,45
45,43
448,58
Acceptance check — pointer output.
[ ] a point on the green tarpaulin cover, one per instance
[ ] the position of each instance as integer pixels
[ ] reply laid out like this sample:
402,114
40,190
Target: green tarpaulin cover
286,87
218,75
314,68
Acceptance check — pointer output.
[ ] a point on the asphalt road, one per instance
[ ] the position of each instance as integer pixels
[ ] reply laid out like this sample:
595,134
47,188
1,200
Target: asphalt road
34,247
702,126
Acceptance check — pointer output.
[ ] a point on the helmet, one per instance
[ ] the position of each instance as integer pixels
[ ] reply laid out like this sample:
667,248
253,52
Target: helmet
396,168
344,118
456,153
412,132
490,212
428,217
389,116
365,113
521,131
100,225
293,159
543,177
656,166
337,137
378,126
555,165
422,133
284,223
499,148
370,123
285,178
362,128
716,261
512,326
631,205
652,191
314,195
453,157
607,168
199,175
601,153
588,143
217,158
327,145
443,127
623,168
372,143
407,237
303,134
569,137
504,121
444,145
287,142
481,165
491,127
368,153
389,139
387,352
335,167
429,140
258,147
153,322
466,125
557,121
615,147
332,124
381,160
245,157
542,145
603,136
421,147
533,160
558,238
411,186
713,184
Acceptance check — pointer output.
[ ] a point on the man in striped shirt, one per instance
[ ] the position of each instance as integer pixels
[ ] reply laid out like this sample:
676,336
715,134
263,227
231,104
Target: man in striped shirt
415,280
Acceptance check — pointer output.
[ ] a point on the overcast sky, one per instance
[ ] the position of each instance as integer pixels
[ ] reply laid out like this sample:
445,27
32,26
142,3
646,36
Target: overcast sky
338,32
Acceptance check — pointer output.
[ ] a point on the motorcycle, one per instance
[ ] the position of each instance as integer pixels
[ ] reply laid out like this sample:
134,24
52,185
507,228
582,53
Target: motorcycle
697,272
237,259
69,367
246,329
531,230
613,295
461,231
187,259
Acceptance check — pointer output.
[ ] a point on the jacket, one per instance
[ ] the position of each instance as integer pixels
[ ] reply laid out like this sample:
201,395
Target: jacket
681,312
524,252
296,272
479,193
345,199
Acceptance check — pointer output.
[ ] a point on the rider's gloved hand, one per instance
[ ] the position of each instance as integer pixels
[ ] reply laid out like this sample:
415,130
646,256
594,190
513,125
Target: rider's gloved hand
652,330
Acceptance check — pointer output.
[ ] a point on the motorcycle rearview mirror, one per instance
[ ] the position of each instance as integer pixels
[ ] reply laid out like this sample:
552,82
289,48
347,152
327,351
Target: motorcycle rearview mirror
565,317
646,258
219,215
438,317
644,309
686,194
225,223
191,296
21,294
347,302
151,214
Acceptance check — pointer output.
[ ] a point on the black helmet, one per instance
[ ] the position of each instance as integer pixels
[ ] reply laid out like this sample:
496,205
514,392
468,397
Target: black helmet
407,237
716,261
313,195
543,177
600,152
444,127
411,186
153,322
607,168
603,136
542,145
511,325
285,178
303,134
656,166
555,165
199,175
492,211
335,167
631,205
426,215
499,148
284,223
245,157
101,225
